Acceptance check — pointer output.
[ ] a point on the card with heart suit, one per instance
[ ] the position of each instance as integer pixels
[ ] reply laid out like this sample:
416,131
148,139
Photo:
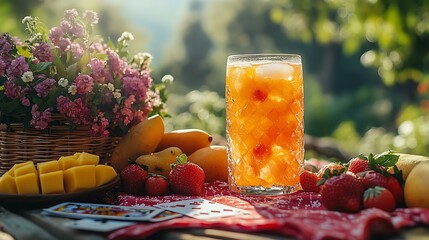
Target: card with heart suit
201,209
103,211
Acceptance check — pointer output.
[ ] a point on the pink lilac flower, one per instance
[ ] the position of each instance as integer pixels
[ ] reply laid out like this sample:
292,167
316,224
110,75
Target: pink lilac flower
126,116
43,88
25,101
117,65
71,14
84,84
90,17
40,119
42,51
5,44
17,41
134,86
97,47
76,50
76,110
12,90
77,31
2,67
66,27
98,69
100,125
17,67
55,34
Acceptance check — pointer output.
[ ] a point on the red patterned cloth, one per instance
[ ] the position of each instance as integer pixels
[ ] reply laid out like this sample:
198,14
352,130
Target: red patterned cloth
299,215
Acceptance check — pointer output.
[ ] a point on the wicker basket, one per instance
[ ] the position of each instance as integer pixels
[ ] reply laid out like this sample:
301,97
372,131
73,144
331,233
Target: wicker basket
18,146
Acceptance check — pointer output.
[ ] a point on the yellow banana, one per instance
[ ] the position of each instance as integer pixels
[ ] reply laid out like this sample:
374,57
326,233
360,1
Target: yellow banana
159,162
188,140
141,139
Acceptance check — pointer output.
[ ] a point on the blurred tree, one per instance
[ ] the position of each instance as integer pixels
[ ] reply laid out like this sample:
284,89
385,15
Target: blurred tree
392,34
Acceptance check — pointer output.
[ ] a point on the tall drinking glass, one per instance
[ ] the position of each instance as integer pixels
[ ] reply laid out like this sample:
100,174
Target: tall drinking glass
265,124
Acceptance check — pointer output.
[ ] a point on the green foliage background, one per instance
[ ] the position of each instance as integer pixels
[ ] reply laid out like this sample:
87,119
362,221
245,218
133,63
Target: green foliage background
365,62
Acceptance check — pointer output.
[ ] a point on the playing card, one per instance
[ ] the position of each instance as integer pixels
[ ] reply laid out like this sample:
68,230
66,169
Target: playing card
98,225
164,215
201,209
102,211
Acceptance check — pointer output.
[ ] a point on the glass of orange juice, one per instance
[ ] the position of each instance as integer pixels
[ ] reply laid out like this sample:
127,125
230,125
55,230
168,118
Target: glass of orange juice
265,123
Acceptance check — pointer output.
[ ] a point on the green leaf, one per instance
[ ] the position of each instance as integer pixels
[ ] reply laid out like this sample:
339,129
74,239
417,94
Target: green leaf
182,158
24,51
72,71
9,107
387,160
36,68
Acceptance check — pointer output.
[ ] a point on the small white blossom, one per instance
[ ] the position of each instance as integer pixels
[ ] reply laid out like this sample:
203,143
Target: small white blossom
117,94
73,89
126,36
110,87
167,79
156,102
142,58
27,19
63,82
27,77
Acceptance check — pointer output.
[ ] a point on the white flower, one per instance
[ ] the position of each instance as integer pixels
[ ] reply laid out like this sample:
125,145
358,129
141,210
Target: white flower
63,82
110,87
167,79
27,19
27,77
126,36
117,94
73,89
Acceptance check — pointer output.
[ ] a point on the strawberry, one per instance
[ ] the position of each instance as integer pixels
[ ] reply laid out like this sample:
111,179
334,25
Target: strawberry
379,197
309,181
186,178
357,165
156,185
372,179
342,193
133,179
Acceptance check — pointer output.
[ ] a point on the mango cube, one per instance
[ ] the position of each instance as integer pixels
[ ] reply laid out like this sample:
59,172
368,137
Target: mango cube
52,182
67,162
104,174
88,159
23,170
7,184
47,167
27,184
79,178
16,166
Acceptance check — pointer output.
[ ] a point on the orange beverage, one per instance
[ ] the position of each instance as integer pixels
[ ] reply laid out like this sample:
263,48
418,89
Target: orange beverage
265,125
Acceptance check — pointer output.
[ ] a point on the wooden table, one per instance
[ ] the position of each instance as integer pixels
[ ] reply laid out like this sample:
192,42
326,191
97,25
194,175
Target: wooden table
23,224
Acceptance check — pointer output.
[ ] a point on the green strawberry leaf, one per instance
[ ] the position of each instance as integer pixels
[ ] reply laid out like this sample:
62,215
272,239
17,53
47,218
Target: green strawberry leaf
182,158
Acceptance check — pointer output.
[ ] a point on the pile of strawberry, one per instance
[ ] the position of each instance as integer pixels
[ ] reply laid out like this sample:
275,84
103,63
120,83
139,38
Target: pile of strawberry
363,182
185,178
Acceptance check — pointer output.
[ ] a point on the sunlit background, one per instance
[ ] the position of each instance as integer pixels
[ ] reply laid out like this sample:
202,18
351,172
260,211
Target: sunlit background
365,62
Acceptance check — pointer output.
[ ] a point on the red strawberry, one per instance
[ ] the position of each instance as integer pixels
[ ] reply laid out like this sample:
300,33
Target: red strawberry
357,165
372,179
186,178
379,197
309,181
342,193
156,185
133,179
